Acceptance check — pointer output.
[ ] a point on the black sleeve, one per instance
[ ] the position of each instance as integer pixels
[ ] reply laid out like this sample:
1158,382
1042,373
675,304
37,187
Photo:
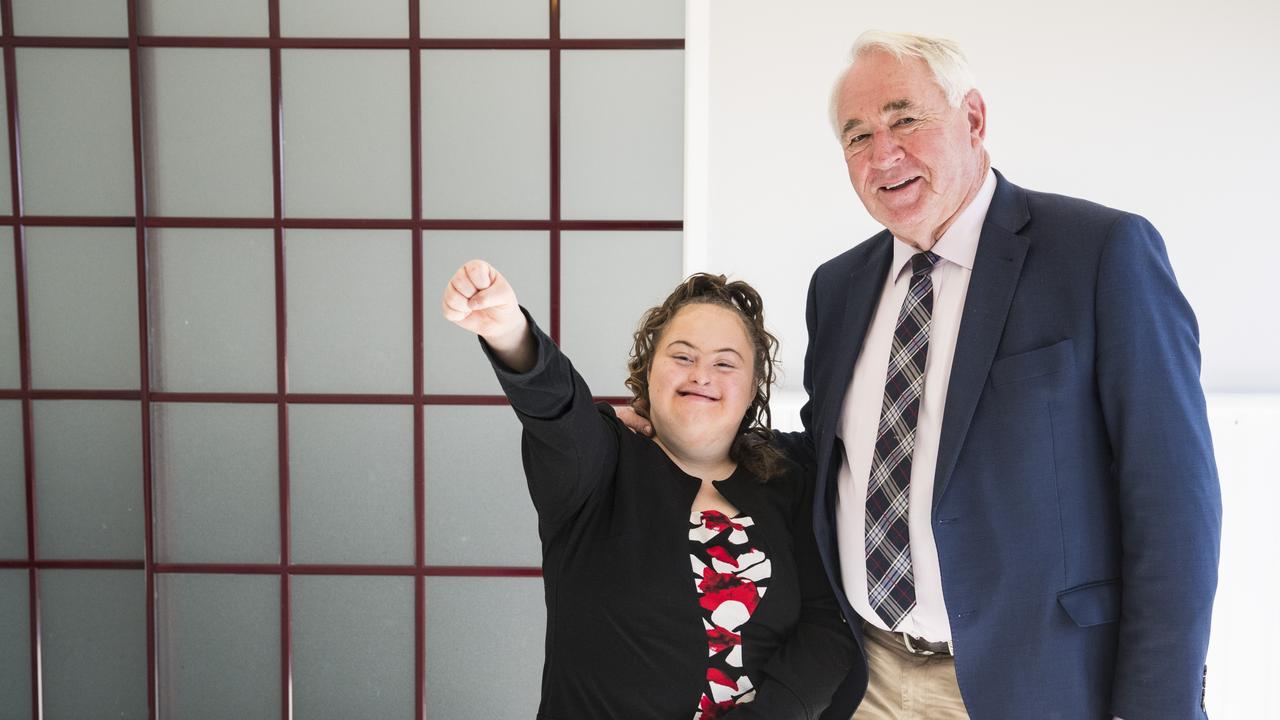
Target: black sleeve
568,447
799,445
802,675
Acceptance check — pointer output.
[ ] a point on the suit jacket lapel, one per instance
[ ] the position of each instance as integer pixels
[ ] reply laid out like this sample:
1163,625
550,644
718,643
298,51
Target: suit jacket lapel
996,269
866,282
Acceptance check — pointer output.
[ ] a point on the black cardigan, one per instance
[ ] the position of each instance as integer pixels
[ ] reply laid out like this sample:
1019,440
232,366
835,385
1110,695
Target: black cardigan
624,632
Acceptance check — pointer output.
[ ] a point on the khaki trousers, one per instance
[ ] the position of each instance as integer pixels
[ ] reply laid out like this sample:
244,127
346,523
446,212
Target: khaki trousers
903,686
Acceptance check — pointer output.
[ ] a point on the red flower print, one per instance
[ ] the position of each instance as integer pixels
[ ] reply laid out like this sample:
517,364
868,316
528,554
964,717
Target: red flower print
716,520
719,639
712,710
722,554
717,676
719,588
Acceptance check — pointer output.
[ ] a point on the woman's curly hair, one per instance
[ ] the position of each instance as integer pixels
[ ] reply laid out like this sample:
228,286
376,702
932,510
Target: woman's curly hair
753,446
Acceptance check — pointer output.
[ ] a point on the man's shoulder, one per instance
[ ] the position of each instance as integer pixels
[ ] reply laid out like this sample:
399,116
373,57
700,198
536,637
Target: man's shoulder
855,257
1053,213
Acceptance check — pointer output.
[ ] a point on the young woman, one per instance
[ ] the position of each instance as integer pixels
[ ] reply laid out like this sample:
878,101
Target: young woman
681,575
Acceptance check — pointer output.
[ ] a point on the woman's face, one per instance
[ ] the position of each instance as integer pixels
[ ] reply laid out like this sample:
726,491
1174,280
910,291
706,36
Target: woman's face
702,379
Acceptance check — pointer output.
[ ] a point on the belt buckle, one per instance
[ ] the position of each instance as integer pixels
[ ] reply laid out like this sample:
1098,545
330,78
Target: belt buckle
906,640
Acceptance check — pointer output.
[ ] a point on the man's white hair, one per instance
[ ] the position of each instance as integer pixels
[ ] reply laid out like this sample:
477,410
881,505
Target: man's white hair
945,60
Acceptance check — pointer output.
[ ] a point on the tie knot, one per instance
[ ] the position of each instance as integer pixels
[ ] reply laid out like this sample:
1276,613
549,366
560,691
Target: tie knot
922,263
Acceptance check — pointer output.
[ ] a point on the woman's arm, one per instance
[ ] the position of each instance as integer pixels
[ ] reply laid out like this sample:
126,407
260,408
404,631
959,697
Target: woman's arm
802,675
568,447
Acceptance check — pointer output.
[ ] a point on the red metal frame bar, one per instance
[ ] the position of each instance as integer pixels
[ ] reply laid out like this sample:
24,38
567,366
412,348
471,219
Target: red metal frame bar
342,43
144,365
419,423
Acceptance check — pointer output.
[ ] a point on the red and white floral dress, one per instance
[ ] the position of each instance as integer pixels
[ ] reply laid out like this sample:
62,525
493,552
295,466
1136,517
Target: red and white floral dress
731,576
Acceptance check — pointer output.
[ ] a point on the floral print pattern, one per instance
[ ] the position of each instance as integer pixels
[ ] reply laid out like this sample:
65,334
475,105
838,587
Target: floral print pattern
731,576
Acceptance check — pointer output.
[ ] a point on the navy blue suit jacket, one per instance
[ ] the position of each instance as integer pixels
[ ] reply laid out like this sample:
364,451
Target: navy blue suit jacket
1076,506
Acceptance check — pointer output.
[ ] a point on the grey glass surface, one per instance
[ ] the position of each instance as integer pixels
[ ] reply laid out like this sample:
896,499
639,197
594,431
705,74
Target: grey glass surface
82,300
218,646
89,479
350,311
201,17
346,133
489,19
622,143
10,369
485,134
452,361
351,484
213,310
74,108
15,646
623,19
598,314
326,18
6,183
207,126
13,484
477,499
93,644
215,474
83,18
353,647
497,624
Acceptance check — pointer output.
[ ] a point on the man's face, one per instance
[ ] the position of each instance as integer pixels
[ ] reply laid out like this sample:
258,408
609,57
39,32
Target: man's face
914,160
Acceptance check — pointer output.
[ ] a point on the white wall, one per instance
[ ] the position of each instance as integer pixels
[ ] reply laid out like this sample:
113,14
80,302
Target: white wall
1167,109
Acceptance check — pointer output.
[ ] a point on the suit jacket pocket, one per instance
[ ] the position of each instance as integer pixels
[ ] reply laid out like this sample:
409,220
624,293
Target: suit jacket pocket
1035,363
1095,603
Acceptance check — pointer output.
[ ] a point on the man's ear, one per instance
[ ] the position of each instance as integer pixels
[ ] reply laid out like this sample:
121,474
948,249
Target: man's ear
975,110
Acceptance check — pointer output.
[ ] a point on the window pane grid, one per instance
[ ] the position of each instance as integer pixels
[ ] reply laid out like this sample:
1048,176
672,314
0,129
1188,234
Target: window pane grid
283,399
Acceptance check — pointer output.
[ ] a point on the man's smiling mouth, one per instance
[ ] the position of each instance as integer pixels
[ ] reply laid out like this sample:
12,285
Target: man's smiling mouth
899,185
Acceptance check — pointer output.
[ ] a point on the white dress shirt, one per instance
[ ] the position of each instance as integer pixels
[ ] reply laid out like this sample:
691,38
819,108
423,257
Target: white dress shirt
860,418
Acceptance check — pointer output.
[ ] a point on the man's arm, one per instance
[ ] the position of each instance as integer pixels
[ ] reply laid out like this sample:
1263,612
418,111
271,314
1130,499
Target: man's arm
799,446
1148,367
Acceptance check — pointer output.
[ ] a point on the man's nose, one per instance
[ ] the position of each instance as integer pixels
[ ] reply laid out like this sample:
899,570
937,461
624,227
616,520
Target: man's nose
885,150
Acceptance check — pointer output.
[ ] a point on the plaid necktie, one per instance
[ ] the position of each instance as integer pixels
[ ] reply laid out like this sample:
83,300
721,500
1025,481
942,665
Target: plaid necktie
891,587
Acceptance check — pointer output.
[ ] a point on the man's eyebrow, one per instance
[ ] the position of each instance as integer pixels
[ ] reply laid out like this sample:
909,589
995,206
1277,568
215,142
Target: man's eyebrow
891,106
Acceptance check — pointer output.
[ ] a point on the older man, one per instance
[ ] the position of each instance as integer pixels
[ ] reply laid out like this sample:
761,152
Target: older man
1017,499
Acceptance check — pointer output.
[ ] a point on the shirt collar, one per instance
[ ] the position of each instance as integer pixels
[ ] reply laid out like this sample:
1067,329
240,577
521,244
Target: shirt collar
959,244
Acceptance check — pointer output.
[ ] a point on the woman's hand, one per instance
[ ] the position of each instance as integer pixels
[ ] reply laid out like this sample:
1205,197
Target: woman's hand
480,300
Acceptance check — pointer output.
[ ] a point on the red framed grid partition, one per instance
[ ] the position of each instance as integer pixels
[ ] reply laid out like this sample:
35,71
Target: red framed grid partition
141,221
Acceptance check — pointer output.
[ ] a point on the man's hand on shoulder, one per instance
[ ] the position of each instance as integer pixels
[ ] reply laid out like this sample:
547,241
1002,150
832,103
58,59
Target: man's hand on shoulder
632,420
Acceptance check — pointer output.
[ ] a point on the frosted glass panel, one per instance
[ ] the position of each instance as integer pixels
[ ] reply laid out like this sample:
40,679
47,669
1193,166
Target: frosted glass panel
15,646
77,131
453,363
489,19
218,646
13,484
493,623
10,369
622,19
82,296
350,311
622,143
478,506
353,648
89,479
213,310
84,18
201,17
351,484
326,18
599,314
485,134
346,133
6,184
94,644
217,494
208,131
